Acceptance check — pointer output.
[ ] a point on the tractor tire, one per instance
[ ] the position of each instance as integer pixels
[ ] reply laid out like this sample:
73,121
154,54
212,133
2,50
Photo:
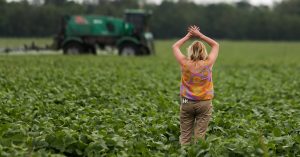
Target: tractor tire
73,48
91,49
144,51
128,49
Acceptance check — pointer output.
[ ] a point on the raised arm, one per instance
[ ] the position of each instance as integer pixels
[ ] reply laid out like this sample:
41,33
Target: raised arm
213,55
176,49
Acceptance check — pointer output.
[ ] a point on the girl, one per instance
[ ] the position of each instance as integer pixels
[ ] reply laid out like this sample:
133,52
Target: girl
196,88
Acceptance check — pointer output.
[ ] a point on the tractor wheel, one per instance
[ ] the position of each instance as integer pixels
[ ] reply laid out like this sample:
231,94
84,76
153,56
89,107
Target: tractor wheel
91,49
73,48
144,51
128,49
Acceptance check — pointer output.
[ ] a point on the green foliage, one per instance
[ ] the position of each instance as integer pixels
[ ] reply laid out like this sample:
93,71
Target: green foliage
291,7
129,106
230,21
19,42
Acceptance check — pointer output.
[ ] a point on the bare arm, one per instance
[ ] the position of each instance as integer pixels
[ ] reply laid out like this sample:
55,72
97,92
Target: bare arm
212,57
176,49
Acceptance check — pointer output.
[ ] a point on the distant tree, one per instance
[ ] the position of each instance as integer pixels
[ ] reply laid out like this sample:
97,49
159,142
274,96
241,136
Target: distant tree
90,2
243,4
289,7
184,0
169,19
37,2
55,2
2,2
103,1
2,15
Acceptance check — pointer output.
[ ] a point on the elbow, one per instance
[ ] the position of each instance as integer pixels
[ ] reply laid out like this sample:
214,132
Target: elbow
174,46
216,45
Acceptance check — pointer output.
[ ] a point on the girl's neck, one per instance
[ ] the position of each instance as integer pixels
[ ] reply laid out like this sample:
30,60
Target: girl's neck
195,63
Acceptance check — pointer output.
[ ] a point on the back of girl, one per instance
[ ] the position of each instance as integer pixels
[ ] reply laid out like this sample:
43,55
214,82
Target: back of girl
196,83
196,89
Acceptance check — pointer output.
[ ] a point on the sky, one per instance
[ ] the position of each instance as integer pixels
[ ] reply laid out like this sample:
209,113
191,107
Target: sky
253,2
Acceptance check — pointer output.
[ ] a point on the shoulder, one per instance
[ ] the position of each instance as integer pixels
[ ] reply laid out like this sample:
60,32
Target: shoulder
185,63
207,64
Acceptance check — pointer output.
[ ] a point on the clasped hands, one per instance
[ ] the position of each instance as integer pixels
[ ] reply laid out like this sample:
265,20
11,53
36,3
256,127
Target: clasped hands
193,31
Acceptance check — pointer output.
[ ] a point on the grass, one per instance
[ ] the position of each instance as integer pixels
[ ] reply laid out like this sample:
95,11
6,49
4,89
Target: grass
128,106
19,42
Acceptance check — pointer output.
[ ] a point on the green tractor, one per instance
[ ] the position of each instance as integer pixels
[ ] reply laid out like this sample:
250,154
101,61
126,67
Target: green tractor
83,34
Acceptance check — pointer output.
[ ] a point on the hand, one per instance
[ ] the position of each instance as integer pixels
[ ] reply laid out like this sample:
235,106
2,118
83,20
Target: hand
194,30
189,35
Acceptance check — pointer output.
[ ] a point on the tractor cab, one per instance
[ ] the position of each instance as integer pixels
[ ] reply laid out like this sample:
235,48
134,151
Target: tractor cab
139,18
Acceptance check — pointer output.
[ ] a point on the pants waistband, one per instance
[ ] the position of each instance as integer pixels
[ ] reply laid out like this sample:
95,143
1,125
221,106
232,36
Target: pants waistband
185,100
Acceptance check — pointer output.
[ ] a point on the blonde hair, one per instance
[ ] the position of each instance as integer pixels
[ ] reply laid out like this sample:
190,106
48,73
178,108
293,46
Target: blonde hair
197,51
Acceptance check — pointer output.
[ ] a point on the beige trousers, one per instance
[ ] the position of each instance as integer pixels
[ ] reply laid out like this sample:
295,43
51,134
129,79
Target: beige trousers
194,117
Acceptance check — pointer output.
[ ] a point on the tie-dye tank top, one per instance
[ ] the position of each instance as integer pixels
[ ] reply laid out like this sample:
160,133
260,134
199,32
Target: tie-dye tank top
196,86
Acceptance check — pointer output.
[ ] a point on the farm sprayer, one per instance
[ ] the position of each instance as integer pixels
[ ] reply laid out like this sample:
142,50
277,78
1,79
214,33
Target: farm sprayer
83,34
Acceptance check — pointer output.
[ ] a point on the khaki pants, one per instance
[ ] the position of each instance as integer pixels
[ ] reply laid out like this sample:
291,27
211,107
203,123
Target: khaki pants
194,115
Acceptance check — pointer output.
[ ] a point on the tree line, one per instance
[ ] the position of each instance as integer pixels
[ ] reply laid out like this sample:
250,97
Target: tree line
169,19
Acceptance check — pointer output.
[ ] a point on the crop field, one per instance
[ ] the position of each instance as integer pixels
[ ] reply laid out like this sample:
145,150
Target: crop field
107,105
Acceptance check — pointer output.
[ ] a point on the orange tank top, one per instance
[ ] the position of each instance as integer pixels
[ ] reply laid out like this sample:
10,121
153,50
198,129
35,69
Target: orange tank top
197,86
